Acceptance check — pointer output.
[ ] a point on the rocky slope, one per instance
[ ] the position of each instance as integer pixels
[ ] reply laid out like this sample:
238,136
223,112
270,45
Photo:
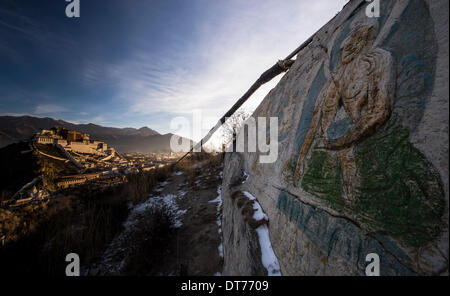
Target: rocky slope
362,161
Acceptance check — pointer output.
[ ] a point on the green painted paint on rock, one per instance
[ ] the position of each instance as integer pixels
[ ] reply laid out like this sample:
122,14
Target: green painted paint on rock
323,178
399,191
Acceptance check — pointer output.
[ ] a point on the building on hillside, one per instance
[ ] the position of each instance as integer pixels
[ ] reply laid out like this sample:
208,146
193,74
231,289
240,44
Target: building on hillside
45,139
68,181
74,136
74,141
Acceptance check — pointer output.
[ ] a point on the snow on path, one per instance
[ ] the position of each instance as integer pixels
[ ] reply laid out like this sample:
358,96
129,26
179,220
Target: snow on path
161,186
218,200
268,257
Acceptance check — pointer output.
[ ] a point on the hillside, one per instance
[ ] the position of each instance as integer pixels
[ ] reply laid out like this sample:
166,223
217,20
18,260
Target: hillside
162,222
20,165
144,140
17,168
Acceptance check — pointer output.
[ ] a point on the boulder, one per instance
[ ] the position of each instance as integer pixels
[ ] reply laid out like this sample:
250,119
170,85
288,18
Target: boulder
362,162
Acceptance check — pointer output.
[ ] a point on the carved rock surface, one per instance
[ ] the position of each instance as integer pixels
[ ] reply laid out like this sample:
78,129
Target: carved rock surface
362,165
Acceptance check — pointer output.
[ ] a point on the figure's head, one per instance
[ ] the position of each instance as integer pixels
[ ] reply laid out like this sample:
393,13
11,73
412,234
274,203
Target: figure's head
360,38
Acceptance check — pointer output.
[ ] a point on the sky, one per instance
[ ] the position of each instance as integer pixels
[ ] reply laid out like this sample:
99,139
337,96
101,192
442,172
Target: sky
135,63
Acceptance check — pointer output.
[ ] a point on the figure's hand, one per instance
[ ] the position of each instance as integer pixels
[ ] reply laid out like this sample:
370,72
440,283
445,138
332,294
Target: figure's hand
335,144
331,144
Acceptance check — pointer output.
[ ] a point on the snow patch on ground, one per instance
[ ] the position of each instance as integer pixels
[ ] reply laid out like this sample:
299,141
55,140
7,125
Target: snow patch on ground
218,200
115,255
220,248
161,186
259,213
268,257
170,202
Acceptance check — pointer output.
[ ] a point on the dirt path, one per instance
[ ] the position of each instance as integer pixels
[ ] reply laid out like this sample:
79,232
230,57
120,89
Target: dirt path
199,239
194,246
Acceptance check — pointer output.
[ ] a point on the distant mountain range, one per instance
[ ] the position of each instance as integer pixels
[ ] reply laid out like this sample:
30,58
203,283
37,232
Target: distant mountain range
144,140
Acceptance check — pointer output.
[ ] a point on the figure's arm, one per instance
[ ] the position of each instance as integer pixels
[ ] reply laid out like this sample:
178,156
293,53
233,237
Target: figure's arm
328,99
378,111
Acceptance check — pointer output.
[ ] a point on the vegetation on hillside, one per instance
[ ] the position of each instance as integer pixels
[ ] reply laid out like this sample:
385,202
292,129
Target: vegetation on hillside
81,220
85,219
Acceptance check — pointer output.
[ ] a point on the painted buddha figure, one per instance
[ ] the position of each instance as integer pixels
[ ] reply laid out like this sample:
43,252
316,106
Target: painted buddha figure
352,105
356,157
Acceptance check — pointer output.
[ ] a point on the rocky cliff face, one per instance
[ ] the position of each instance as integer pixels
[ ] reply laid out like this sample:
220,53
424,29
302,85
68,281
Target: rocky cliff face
363,151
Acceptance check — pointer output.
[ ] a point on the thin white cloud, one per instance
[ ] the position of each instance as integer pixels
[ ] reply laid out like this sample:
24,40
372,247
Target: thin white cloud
215,69
231,56
209,72
13,114
49,109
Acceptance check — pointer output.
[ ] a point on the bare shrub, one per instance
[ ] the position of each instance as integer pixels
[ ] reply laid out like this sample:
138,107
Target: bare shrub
152,239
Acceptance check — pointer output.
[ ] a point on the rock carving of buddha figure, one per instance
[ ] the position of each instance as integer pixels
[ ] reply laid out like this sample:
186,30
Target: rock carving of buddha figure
350,107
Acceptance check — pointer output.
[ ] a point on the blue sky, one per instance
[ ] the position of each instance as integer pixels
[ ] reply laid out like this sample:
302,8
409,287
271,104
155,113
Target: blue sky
134,63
